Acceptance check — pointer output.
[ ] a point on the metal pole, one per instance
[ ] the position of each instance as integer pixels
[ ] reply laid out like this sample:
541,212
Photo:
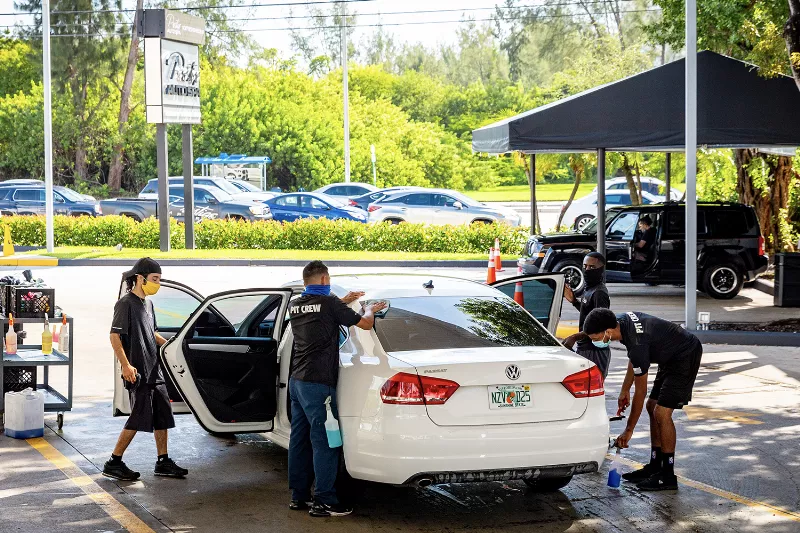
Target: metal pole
346,96
163,187
188,186
374,172
668,175
601,200
532,184
691,164
48,128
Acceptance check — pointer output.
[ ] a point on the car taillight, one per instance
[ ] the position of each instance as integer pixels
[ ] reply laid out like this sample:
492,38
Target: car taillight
410,389
585,384
373,208
353,203
761,249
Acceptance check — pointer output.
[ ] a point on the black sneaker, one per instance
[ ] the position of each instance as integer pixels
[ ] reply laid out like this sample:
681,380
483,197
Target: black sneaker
659,482
643,474
168,468
323,510
300,505
119,470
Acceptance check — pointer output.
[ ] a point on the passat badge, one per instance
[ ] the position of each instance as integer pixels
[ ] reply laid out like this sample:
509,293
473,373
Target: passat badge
512,372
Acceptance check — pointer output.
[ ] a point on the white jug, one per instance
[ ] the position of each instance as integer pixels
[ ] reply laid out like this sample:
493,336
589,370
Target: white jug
24,414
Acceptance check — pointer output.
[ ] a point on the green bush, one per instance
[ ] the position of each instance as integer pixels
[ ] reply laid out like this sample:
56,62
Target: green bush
304,234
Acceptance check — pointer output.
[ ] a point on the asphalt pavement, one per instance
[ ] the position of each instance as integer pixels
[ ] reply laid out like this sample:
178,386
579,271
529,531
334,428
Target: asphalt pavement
736,452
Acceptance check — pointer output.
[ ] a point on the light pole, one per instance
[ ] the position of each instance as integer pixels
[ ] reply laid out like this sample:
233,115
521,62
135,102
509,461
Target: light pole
374,172
343,27
691,165
48,128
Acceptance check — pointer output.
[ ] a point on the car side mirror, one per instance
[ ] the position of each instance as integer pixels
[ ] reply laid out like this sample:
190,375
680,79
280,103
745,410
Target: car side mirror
458,205
212,201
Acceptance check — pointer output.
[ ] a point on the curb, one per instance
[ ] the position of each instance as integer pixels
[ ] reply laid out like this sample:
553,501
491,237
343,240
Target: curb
748,338
286,263
764,286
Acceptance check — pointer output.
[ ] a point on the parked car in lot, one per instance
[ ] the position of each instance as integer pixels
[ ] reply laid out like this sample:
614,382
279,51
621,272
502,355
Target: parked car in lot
455,383
9,183
437,206
293,206
349,190
364,200
30,200
209,202
730,248
584,210
150,190
246,186
654,186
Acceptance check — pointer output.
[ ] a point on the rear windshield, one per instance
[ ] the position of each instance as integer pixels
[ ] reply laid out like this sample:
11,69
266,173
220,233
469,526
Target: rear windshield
458,322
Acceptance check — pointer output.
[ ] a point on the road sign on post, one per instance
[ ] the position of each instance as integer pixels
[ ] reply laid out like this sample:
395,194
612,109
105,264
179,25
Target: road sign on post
172,96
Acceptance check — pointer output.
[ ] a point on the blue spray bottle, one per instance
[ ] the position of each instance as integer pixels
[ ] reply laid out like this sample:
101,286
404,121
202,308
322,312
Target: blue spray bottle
332,427
615,472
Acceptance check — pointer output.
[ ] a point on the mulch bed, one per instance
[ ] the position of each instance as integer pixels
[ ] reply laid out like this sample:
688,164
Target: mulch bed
788,325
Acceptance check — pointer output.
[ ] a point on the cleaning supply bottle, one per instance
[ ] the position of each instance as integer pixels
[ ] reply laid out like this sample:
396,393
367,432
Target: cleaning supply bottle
47,338
55,335
332,427
63,335
615,472
11,337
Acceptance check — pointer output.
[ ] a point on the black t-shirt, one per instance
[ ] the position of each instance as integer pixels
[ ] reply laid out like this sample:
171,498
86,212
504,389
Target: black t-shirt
315,322
652,340
649,238
592,298
135,322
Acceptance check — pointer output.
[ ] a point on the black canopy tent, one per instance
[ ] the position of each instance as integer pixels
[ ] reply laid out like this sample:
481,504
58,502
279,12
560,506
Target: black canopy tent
736,108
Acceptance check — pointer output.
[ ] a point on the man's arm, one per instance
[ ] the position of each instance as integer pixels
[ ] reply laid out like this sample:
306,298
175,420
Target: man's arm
570,341
128,371
624,399
639,394
161,341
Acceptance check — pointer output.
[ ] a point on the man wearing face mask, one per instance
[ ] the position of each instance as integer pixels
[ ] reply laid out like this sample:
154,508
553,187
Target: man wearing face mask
677,353
135,341
595,296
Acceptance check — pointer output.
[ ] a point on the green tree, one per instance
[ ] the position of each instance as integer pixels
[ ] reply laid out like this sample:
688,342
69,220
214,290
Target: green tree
17,69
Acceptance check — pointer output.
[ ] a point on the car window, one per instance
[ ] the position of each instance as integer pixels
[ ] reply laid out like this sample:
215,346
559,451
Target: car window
337,190
57,198
618,186
676,223
419,199
237,308
446,322
624,226
175,191
28,195
150,188
318,204
69,194
202,196
443,200
289,201
173,307
537,297
651,187
726,224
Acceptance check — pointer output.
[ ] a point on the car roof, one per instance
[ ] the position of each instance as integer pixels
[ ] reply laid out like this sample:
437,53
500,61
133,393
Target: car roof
388,286
682,205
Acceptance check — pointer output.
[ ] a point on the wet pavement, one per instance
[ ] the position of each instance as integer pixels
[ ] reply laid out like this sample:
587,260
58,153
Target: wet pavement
737,455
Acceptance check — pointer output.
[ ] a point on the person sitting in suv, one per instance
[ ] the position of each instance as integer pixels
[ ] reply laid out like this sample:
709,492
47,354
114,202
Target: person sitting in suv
644,239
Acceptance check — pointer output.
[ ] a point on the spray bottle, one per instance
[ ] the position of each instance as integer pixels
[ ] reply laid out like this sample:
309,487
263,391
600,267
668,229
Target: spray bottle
47,338
11,337
615,472
63,335
332,427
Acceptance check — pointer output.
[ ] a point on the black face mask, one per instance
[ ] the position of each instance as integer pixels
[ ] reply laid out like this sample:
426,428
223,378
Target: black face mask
594,277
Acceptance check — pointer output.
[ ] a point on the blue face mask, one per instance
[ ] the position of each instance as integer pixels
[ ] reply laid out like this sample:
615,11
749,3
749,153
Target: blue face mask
603,343
317,290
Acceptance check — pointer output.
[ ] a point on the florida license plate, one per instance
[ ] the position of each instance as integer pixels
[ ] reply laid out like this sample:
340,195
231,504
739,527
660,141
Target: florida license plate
509,396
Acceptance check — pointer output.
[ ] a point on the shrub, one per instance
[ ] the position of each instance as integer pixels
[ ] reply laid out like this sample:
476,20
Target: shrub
304,234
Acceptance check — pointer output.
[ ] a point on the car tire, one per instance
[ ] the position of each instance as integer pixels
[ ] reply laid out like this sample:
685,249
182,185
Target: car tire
393,221
550,484
723,281
573,272
134,217
481,221
581,221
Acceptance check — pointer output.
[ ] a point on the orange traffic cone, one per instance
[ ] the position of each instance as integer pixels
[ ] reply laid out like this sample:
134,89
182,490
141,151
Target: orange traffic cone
498,263
491,276
519,297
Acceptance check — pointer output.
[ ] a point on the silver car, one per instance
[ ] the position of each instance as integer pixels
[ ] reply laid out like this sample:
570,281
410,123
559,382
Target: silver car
437,206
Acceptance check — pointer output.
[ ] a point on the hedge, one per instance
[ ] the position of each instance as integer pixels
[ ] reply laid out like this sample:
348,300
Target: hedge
304,234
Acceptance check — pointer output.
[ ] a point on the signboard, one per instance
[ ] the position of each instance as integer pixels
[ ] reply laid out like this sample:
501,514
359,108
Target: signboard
173,25
172,82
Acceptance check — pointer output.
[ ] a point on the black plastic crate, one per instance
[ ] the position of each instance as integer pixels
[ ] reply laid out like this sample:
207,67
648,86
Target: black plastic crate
17,378
32,302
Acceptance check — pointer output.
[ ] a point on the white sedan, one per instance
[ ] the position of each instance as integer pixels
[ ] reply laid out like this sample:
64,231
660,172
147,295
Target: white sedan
455,383
584,210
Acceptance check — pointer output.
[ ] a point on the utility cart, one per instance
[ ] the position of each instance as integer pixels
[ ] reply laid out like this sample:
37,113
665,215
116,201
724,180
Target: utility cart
21,370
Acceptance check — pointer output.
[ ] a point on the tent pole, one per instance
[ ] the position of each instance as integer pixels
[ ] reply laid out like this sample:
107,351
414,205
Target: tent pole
601,200
668,175
532,184
691,165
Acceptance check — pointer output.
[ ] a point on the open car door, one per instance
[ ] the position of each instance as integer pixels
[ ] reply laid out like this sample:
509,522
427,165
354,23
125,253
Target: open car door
224,359
173,305
541,294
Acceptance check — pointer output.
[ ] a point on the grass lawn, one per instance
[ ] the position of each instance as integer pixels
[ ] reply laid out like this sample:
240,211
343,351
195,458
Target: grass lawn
87,252
546,192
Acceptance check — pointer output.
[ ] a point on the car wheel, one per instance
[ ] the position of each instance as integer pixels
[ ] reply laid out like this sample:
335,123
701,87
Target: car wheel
722,281
134,217
550,484
393,220
573,273
582,221
481,221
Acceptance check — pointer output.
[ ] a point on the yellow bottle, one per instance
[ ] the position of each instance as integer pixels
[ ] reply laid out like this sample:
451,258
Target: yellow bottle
11,337
47,338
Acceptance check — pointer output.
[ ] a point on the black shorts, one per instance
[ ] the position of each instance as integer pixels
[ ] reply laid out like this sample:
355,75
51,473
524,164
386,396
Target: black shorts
674,382
150,409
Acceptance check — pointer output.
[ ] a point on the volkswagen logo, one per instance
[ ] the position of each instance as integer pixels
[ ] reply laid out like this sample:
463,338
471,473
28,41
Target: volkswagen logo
512,372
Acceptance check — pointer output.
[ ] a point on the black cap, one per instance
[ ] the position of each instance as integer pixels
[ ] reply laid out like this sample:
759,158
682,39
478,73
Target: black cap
144,266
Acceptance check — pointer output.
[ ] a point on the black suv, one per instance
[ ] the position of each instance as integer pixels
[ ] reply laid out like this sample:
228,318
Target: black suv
730,248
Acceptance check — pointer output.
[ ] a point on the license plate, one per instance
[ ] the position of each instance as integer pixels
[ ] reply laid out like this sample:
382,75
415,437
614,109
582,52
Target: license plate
509,396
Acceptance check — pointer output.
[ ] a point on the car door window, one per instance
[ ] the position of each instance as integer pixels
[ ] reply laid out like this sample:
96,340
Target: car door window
26,195
173,306
150,188
290,201
624,226
443,200
201,196
537,297
676,224
57,198
419,200
179,193
318,204
726,224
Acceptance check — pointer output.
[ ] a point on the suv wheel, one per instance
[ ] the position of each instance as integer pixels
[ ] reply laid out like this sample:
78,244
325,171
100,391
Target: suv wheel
582,221
722,281
573,273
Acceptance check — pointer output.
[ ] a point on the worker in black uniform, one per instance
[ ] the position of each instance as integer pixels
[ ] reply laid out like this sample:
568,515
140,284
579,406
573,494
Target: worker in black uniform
595,296
316,317
677,353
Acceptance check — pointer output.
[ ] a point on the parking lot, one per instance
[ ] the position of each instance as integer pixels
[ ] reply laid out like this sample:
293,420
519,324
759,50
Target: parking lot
736,449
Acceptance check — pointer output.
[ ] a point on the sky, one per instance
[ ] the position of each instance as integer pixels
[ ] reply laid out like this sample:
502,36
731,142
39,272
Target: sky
428,28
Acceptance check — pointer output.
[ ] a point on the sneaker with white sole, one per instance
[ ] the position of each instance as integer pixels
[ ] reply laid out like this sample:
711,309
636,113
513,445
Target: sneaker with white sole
323,510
